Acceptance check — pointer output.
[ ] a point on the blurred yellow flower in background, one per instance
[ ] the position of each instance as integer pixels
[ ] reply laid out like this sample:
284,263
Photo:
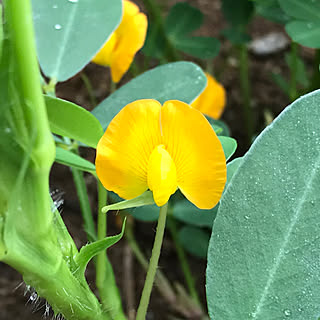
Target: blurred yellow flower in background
212,100
162,148
119,51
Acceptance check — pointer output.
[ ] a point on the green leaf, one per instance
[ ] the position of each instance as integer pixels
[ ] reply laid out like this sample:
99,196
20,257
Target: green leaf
1,31
92,249
187,212
71,159
265,238
271,10
200,47
194,240
229,146
238,13
183,19
69,120
236,36
182,81
305,32
308,10
69,33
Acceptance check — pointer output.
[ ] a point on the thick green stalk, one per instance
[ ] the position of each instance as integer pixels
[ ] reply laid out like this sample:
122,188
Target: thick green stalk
293,71
245,90
146,292
184,262
29,230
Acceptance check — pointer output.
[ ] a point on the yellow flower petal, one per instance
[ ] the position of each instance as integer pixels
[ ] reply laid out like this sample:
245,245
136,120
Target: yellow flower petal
127,39
196,152
162,175
124,150
212,100
160,148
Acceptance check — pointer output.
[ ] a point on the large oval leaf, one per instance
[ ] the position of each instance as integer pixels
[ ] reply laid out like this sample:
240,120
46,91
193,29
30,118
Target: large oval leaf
69,120
182,81
264,253
70,32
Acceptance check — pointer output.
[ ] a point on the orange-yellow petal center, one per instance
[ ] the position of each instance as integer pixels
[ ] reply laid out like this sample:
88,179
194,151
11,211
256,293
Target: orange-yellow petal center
162,175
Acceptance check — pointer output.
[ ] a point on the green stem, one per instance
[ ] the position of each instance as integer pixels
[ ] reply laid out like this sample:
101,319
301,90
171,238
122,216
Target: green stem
22,37
102,233
245,90
156,15
293,71
146,292
161,281
89,88
84,204
184,262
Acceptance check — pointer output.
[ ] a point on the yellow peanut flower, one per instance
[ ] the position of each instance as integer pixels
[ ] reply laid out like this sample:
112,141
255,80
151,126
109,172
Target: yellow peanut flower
120,49
162,148
212,100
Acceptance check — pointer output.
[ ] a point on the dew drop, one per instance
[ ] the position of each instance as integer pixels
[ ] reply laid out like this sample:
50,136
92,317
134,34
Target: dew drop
287,313
7,130
57,26
54,6
73,1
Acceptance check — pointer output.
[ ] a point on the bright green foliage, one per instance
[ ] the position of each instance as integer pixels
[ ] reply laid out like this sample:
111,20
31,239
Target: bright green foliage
194,240
182,81
92,249
1,30
304,26
69,120
263,258
69,33
71,159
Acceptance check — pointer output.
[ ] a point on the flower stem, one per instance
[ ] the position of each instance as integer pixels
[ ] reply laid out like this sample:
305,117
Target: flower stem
146,292
184,262
245,90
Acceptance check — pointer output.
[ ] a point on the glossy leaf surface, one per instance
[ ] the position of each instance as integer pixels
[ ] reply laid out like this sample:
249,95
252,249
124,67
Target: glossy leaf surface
69,120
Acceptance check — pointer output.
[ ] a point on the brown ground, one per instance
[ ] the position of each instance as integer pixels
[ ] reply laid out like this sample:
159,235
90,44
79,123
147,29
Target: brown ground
265,96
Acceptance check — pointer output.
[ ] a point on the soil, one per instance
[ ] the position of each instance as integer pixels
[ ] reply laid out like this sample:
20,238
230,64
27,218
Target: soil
266,96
